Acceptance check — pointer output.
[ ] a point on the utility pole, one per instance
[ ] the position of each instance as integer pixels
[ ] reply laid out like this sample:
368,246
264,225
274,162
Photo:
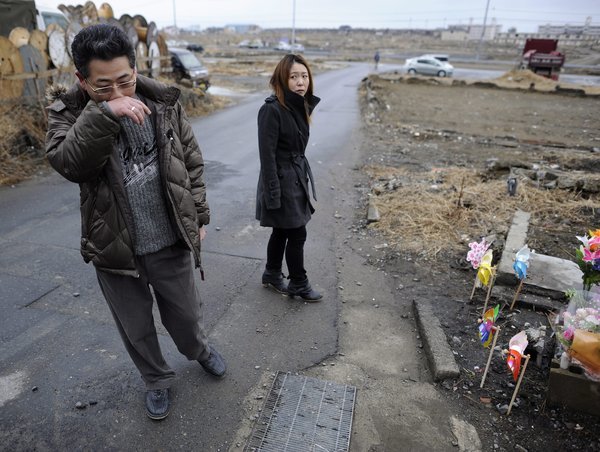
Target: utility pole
174,16
293,22
487,6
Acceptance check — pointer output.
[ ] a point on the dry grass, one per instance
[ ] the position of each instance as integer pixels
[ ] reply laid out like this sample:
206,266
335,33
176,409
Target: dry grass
21,148
262,65
241,66
428,213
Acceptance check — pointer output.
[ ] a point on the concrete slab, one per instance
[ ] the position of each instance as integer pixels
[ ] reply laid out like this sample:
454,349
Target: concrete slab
441,359
526,299
553,273
546,272
515,240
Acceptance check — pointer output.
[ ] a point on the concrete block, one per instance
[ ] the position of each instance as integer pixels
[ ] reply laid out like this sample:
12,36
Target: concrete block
515,240
571,389
440,356
373,212
553,273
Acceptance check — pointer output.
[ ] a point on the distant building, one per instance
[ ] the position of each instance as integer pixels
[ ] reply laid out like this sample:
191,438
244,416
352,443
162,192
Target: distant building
171,30
586,29
242,28
471,32
489,34
455,33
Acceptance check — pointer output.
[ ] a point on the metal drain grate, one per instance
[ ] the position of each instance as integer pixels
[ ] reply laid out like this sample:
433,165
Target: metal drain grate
304,414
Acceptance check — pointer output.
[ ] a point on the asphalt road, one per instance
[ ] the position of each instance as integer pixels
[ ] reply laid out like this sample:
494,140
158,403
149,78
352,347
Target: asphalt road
58,343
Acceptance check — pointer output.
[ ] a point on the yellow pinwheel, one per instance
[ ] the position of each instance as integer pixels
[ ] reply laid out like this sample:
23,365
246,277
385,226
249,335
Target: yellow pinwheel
485,268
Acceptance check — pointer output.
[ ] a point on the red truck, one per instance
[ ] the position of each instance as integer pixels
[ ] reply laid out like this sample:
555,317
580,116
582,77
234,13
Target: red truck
541,57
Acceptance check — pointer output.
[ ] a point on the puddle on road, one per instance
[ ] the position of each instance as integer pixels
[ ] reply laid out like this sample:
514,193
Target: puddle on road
226,92
216,172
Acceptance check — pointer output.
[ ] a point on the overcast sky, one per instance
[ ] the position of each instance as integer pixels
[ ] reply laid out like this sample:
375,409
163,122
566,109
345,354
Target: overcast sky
525,15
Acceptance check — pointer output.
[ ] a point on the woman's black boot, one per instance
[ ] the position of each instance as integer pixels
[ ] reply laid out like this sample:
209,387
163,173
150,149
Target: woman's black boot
303,290
274,279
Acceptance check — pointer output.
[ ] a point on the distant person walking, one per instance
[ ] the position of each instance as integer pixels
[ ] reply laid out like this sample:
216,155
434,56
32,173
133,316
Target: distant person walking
377,57
283,194
126,141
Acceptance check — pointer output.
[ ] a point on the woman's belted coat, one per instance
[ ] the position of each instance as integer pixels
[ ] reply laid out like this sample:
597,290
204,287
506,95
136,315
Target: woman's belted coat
285,181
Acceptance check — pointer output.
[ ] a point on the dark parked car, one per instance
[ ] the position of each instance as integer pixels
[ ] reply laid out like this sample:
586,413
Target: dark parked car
195,48
187,66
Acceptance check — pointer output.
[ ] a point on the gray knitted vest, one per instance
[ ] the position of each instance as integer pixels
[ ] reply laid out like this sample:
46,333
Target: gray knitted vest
141,176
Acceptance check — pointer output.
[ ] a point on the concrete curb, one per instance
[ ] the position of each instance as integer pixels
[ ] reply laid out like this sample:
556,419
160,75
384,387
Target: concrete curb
440,356
515,240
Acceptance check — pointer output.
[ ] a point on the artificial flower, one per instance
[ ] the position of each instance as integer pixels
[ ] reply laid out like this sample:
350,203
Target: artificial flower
568,334
476,253
587,257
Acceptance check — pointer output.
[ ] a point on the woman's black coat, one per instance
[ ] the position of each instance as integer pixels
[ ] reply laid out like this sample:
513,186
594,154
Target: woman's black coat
282,196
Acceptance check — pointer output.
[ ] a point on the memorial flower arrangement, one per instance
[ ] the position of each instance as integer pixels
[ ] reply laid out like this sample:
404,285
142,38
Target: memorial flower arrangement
583,313
587,256
578,326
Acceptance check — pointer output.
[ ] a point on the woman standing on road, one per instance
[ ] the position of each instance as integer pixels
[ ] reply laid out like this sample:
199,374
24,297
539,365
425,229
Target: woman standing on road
283,198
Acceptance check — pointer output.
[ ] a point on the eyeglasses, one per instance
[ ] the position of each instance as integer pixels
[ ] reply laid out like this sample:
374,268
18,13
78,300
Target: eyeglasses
104,90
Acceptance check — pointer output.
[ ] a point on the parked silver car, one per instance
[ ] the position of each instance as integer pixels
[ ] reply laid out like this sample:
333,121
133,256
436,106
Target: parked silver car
428,65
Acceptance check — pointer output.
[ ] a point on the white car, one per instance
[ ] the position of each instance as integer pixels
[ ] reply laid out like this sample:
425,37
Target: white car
428,65
282,45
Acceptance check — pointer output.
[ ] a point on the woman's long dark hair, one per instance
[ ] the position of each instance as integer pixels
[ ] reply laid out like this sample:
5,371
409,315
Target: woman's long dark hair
281,75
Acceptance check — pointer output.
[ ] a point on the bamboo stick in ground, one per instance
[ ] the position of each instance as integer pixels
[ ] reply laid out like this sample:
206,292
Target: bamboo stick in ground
512,305
474,286
491,284
518,384
496,331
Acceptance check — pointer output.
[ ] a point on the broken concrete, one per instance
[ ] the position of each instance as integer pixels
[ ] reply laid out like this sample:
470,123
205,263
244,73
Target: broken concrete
546,272
530,299
553,273
551,178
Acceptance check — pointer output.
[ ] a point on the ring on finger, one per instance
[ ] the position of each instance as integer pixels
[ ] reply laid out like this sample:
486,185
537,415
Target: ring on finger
132,108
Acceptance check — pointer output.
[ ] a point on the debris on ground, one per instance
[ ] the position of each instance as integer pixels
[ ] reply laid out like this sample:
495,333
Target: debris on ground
439,172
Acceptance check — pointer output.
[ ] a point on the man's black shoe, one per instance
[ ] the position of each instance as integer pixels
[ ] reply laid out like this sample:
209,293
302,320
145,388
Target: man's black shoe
157,404
214,364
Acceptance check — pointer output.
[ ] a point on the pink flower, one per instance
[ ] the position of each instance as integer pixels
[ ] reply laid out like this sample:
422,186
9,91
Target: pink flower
589,256
476,253
568,333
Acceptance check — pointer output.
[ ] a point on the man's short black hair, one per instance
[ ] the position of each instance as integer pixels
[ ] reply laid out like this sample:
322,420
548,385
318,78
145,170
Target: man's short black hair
101,42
